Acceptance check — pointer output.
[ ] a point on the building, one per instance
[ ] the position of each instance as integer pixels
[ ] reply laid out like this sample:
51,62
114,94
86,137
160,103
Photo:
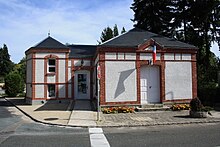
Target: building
128,76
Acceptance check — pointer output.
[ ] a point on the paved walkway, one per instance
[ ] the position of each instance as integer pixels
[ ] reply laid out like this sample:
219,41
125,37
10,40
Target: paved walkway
82,114
72,114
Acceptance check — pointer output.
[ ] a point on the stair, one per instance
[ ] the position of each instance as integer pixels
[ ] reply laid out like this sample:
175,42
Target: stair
153,107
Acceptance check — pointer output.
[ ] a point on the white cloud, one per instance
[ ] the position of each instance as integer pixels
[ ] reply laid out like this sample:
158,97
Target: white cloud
26,23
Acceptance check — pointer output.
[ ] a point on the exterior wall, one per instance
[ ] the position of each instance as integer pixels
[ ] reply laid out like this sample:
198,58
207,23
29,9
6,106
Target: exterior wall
110,56
62,91
39,70
42,55
39,91
120,77
149,56
69,79
178,80
62,71
28,90
29,78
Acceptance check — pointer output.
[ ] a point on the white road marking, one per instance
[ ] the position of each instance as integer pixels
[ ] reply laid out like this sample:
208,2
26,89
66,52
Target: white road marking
97,138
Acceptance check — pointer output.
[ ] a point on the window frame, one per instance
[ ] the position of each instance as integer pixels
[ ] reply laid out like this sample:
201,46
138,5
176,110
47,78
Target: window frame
51,66
48,91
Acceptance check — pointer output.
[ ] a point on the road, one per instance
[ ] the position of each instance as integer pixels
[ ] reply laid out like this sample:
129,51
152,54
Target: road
16,130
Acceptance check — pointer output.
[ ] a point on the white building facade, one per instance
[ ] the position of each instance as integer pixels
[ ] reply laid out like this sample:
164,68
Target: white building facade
56,72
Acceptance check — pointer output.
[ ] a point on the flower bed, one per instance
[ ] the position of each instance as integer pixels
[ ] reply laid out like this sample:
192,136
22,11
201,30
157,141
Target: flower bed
178,107
118,110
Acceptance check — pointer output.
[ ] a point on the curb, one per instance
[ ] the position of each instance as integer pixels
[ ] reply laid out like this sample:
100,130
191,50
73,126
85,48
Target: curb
115,126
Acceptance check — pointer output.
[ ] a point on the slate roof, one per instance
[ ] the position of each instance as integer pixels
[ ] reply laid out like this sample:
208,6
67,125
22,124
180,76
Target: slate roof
82,51
136,37
50,43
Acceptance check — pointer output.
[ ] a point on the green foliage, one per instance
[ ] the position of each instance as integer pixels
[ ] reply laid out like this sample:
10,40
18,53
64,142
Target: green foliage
109,33
20,68
13,84
154,16
195,104
106,34
115,31
123,30
182,20
209,96
6,65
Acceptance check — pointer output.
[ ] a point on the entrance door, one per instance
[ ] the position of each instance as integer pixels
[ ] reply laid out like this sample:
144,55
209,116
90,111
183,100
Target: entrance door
150,84
82,85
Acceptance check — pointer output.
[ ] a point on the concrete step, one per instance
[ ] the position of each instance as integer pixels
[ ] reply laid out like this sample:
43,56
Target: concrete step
164,108
152,106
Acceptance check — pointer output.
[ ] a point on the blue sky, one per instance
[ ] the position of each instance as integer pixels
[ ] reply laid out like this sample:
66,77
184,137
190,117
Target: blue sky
24,23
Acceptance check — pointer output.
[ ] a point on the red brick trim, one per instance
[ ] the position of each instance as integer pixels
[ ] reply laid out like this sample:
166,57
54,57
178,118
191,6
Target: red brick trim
33,75
61,98
72,79
162,79
48,83
102,80
51,56
178,60
120,60
120,103
179,50
57,79
45,76
148,43
194,77
102,50
178,101
66,75
91,83
138,73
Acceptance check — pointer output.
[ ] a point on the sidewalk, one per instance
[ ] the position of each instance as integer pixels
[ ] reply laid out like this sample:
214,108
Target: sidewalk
72,114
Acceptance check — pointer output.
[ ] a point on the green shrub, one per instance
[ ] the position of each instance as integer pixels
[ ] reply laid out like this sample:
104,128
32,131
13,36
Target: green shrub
195,104
13,84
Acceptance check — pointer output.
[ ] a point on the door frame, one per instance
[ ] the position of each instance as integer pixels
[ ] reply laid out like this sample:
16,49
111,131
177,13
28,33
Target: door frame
76,73
159,85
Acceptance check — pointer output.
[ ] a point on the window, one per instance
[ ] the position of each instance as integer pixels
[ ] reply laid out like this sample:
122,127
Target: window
51,65
51,90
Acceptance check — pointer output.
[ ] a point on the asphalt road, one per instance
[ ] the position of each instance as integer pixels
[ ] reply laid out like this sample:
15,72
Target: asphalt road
16,130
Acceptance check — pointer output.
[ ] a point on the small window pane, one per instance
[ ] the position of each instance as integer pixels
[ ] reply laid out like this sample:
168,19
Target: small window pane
51,69
52,62
51,90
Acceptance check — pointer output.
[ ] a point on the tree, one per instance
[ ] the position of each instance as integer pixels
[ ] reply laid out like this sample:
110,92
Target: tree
109,33
155,16
195,22
13,84
20,68
123,30
180,19
106,34
6,65
115,30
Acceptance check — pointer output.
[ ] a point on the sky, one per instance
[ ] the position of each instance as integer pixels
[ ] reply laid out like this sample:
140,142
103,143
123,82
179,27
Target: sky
24,23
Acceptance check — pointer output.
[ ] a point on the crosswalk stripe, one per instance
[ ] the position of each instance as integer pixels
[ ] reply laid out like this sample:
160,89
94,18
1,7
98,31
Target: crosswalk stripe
97,138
